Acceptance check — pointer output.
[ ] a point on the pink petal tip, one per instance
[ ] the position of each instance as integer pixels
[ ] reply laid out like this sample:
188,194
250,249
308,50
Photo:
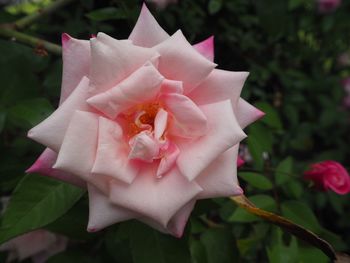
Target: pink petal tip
65,39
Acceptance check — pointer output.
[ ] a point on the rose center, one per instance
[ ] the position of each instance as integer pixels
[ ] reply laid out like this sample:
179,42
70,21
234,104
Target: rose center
140,118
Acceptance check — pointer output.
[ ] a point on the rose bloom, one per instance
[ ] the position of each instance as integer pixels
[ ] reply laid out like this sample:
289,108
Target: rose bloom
326,6
148,124
329,175
39,245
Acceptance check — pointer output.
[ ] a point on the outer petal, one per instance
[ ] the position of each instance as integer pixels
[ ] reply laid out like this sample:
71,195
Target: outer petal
168,161
112,153
223,132
44,163
147,32
156,199
172,86
219,85
102,212
77,154
76,63
219,179
51,131
246,113
179,60
206,48
142,85
189,120
113,60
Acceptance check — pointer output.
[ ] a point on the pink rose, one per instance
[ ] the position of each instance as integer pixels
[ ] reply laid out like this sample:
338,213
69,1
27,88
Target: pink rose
326,6
148,124
38,245
329,175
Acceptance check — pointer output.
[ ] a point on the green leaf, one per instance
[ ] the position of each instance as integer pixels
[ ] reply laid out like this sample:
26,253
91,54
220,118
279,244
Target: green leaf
31,112
150,246
281,253
36,202
214,6
108,13
284,170
271,117
2,120
256,180
300,214
264,202
220,245
198,252
311,254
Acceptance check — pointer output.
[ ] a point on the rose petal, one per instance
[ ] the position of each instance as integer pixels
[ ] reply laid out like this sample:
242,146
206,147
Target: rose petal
144,147
44,163
147,32
178,222
112,153
189,119
150,197
219,85
142,85
171,86
168,160
78,151
51,131
160,123
179,60
246,113
113,60
219,179
206,48
76,63
223,132
102,212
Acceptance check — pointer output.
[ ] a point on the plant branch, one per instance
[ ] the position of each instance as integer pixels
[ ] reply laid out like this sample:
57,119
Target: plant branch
297,230
30,19
14,35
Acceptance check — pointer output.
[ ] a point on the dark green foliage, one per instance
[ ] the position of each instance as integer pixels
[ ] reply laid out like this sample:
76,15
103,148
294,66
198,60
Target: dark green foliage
291,52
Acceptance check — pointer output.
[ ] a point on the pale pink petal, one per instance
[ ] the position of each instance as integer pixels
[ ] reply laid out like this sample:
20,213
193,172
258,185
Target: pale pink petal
78,152
102,212
223,133
168,160
43,165
58,246
113,60
206,48
157,199
246,113
160,123
76,63
142,85
179,60
144,147
147,32
172,86
219,179
31,243
112,153
51,131
219,85
176,224
189,120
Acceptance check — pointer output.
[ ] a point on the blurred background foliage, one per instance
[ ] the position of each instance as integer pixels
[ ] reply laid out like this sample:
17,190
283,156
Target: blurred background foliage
292,52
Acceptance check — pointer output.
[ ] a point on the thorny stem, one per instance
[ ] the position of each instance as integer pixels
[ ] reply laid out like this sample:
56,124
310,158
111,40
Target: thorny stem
14,35
30,19
9,31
